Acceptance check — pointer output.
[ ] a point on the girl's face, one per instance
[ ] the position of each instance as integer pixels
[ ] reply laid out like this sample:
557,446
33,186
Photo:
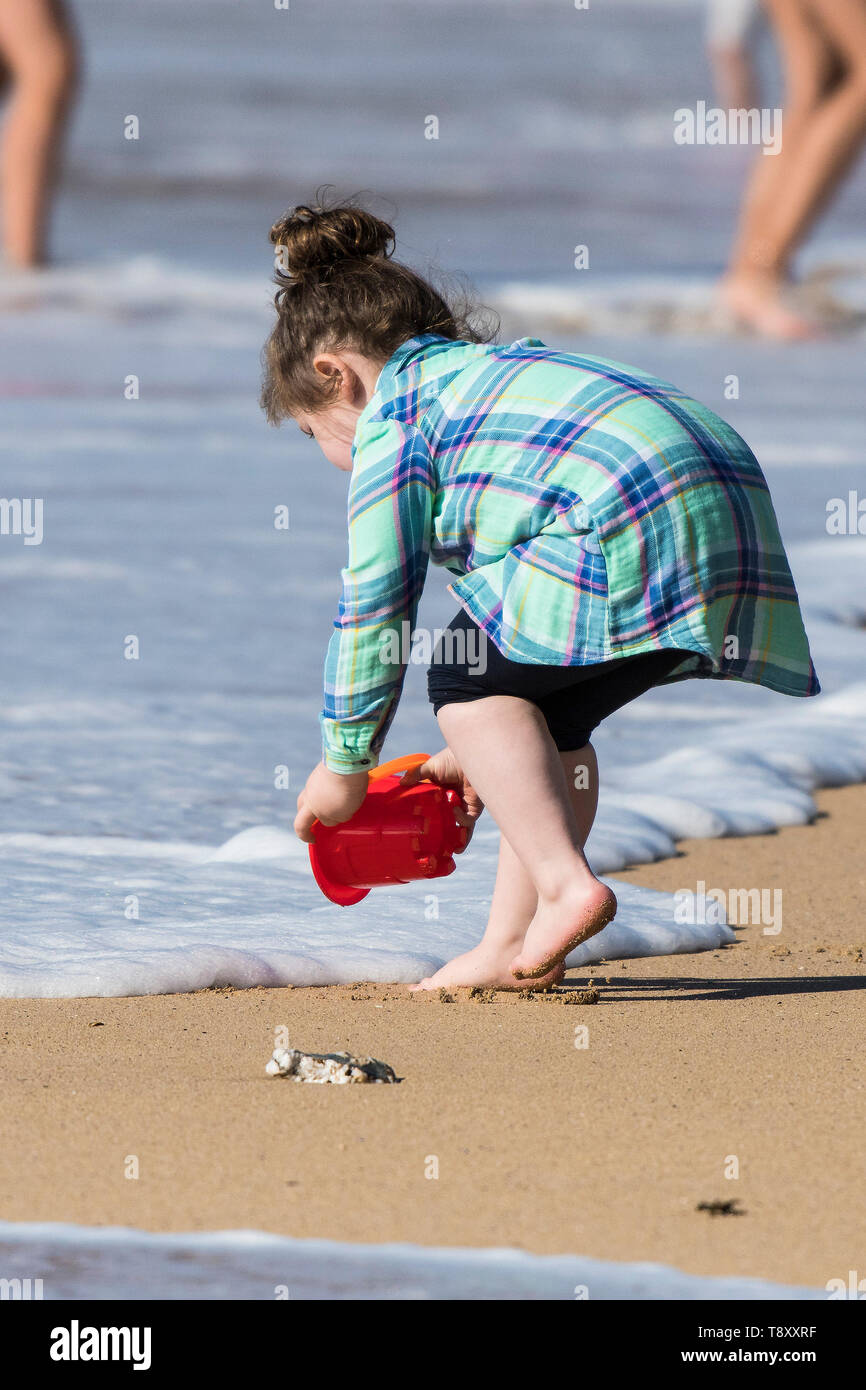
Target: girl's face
334,428
334,431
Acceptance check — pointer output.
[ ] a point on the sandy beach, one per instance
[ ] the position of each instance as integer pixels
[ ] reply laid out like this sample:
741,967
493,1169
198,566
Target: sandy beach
607,1149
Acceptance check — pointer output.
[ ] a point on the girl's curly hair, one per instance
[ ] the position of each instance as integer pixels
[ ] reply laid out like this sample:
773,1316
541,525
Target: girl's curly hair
339,288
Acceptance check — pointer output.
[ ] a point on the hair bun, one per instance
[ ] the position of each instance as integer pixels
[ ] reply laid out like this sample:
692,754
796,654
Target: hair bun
317,239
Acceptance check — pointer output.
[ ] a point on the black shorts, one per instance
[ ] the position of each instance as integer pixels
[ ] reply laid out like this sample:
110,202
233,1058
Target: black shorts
574,700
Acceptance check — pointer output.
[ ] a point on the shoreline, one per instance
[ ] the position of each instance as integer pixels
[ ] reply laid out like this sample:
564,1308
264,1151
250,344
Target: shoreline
607,1150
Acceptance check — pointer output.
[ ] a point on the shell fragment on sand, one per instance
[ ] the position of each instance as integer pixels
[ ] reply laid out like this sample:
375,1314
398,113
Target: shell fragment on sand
323,1068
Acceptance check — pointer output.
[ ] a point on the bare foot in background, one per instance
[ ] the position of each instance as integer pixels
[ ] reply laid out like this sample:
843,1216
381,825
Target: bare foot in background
758,301
823,49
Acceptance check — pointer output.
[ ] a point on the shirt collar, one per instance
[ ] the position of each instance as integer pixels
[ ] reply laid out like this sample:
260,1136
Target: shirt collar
384,387
404,354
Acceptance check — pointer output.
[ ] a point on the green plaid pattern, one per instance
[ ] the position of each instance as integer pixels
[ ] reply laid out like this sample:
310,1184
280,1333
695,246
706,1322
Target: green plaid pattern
588,510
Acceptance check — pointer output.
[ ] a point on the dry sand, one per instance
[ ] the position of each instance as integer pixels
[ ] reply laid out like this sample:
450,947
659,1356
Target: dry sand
754,1051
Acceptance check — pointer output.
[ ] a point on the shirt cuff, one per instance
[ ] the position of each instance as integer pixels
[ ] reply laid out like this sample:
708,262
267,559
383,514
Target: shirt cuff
346,747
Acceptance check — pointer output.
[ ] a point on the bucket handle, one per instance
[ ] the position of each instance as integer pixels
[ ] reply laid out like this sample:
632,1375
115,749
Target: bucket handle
398,765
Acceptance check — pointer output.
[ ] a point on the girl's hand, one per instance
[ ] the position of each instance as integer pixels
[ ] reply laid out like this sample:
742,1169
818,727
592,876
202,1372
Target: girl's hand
331,797
444,769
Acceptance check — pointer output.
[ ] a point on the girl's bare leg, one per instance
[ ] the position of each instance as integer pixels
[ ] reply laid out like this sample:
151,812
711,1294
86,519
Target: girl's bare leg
546,897
823,45
38,50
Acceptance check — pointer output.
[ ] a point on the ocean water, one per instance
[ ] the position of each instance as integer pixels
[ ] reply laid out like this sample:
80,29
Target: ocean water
555,129
116,1263
143,844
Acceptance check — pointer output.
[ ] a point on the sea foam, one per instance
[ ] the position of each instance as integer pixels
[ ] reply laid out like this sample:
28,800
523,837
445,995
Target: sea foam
77,1262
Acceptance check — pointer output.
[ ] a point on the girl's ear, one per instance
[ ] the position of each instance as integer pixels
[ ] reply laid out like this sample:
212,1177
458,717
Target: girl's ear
331,366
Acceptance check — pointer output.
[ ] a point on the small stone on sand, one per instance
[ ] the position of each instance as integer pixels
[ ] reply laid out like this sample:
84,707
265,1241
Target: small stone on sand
328,1068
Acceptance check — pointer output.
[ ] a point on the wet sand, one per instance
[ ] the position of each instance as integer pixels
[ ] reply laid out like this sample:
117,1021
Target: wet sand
690,1067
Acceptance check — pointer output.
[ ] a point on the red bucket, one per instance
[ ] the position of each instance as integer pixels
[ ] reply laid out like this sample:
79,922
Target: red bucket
398,835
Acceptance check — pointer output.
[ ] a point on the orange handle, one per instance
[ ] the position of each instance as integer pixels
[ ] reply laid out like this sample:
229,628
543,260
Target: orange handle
399,765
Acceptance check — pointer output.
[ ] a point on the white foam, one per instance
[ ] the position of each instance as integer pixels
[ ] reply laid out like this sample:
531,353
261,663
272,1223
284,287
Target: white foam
75,1262
254,917
234,310
101,847
146,286
628,305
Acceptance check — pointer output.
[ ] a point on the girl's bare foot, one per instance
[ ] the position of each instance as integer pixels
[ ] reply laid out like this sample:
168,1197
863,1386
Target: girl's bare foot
757,301
560,925
486,967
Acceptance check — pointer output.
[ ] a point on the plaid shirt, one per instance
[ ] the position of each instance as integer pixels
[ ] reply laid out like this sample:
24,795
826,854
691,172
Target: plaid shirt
588,510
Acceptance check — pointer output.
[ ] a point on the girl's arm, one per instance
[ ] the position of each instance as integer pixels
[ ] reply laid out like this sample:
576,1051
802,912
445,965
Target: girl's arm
390,510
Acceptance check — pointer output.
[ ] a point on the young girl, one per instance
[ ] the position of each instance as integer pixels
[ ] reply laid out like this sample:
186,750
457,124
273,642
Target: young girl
607,534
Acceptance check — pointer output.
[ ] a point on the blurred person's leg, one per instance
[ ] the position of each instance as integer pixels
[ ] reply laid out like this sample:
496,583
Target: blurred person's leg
835,135
731,28
38,52
823,44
